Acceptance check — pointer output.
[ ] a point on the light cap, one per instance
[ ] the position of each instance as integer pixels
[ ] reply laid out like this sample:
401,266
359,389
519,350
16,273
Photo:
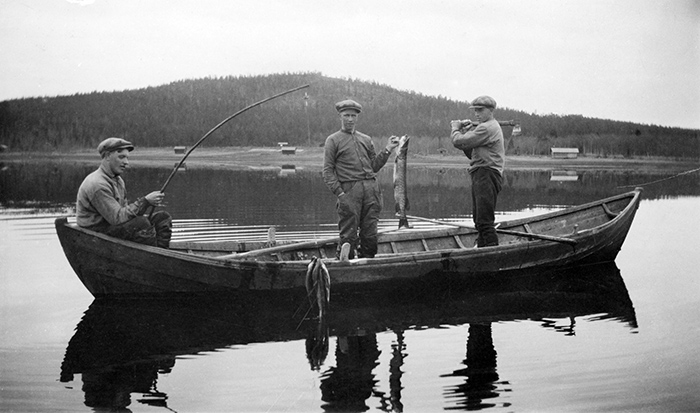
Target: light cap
348,104
483,102
114,144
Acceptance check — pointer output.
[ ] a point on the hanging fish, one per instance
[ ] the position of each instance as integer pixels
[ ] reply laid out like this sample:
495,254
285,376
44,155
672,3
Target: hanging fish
400,187
318,285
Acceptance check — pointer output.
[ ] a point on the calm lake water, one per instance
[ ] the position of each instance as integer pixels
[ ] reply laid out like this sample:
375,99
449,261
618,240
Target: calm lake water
618,337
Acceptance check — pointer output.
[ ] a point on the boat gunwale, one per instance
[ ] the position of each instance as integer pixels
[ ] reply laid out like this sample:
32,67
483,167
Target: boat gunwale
451,252
548,215
245,260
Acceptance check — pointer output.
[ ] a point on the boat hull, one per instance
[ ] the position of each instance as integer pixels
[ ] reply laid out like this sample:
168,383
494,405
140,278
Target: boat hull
113,267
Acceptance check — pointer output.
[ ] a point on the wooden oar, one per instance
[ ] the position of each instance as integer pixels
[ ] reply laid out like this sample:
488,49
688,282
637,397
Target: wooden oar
503,231
303,244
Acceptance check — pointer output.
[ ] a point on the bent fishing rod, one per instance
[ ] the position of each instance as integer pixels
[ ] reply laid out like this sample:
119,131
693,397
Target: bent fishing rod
150,208
206,135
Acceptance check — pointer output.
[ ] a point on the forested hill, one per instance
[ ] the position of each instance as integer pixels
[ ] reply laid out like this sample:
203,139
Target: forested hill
181,112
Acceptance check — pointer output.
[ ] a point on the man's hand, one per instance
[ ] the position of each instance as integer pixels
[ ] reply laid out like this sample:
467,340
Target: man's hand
462,125
155,198
456,125
393,143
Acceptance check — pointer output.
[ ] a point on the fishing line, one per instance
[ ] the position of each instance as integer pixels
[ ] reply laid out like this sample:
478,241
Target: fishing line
661,180
311,306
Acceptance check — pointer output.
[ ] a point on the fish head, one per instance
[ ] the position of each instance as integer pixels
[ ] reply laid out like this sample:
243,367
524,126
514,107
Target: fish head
402,149
311,266
322,267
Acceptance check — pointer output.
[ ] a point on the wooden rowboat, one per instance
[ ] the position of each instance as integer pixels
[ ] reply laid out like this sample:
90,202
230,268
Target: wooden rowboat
585,234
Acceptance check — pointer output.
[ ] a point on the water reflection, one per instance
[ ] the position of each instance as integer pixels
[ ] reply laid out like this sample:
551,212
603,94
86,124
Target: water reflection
480,376
564,176
122,347
348,385
296,196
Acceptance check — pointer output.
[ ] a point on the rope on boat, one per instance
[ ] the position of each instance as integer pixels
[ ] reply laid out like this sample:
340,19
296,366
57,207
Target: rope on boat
661,180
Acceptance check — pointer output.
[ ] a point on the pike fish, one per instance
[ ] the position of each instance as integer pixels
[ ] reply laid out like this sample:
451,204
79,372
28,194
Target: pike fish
318,285
400,187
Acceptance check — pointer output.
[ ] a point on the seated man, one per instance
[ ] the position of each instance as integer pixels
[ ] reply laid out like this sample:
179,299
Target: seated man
102,204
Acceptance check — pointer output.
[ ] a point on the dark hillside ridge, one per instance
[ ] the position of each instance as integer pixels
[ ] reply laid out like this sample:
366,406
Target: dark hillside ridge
181,112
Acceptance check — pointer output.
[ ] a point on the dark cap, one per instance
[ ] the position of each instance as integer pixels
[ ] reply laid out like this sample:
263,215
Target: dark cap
483,102
348,104
114,144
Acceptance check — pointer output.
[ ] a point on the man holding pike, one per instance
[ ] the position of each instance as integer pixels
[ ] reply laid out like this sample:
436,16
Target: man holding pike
350,167
482,142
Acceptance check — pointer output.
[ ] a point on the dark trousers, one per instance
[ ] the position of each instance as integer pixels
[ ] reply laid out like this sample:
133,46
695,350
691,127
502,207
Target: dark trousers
358,216
154,230
486,184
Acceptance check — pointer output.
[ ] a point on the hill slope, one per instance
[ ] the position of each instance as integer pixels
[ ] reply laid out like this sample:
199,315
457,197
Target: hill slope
179,113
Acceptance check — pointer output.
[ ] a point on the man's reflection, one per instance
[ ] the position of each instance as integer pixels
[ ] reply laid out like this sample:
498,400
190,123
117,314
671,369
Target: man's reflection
347,386
480,375
397,356
112,388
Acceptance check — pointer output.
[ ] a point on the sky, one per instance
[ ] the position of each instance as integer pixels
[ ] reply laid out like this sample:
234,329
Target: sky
626,60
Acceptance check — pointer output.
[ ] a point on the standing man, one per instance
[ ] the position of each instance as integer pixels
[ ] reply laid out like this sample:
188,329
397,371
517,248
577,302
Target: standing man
482,142
350,167
102,204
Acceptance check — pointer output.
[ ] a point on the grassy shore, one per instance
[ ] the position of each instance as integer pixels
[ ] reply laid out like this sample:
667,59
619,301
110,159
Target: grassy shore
312,158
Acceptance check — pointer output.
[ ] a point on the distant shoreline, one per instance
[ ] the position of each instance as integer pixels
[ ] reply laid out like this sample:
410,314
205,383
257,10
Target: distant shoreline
312,158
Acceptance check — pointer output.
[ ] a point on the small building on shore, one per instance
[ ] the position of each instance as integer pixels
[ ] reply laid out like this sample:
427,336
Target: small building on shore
564,153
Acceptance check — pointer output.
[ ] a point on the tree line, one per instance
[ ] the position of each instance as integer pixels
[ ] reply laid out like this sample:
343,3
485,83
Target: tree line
179,113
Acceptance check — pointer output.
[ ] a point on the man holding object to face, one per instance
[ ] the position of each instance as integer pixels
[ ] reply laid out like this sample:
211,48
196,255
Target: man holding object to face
482,142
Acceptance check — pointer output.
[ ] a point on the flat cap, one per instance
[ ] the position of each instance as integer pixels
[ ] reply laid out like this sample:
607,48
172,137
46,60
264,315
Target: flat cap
484,102
114,144
348,104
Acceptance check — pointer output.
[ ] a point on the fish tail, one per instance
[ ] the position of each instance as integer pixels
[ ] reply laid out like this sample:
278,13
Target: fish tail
399,210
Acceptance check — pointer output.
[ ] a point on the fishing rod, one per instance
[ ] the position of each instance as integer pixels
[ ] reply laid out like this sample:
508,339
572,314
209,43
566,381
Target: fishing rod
661,180
467,122
206,135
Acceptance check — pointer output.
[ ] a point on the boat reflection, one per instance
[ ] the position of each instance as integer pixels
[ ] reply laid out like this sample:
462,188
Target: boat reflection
121,347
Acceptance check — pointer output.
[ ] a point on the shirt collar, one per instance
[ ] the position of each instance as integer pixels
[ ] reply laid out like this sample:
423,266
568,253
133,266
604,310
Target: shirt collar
107,172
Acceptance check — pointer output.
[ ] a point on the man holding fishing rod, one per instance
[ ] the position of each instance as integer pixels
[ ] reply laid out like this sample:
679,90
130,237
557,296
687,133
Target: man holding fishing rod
482,142
350,167
102,204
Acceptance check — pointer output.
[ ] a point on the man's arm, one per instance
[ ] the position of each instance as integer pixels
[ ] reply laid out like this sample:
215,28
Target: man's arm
379,160
109,208
471,138
329,176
